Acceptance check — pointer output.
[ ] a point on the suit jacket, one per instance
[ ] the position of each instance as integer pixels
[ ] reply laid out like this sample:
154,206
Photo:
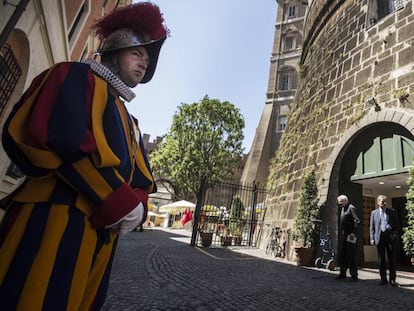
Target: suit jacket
375,224
349,220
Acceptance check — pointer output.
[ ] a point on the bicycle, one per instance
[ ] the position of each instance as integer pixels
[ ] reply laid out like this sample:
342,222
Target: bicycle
274,247
328,254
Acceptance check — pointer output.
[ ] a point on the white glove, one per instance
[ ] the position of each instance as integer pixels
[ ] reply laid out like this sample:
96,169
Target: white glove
130,221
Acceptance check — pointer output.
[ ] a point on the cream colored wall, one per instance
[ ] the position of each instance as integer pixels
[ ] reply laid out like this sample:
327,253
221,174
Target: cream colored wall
54,33
39,40
41,25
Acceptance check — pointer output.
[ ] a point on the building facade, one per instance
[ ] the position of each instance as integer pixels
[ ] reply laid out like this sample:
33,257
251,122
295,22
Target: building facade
35,35
352,118
283,79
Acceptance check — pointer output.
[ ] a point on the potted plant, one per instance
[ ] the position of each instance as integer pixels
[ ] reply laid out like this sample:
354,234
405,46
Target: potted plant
206,238
408,230
237,219
305,231
206,234
226,238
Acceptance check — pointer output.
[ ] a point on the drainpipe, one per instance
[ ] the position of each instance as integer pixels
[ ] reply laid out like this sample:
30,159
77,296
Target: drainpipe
20,8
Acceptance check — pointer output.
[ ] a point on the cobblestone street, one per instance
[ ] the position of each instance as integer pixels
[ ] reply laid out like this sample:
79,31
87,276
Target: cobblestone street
159,270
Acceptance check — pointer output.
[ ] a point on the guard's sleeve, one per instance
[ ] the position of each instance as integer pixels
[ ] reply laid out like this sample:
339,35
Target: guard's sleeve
58,127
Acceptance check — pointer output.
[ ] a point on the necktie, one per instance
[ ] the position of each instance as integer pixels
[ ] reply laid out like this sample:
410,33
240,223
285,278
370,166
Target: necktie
383,220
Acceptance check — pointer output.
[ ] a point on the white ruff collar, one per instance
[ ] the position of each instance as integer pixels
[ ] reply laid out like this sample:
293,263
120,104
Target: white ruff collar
124,90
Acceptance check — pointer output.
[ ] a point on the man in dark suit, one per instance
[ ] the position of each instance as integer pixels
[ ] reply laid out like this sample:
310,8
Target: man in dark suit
384,234
349,225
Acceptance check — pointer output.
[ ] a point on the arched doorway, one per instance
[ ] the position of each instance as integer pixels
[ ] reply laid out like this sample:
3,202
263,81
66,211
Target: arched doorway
376,162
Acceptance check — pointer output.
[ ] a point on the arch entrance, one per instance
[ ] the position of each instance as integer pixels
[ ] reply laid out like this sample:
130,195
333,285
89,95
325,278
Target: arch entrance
376,162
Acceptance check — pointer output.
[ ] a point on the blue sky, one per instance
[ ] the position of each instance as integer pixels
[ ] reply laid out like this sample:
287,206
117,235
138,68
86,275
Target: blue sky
219,48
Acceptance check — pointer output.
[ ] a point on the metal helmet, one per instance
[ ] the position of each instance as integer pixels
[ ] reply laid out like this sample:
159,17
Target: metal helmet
139,24
125,38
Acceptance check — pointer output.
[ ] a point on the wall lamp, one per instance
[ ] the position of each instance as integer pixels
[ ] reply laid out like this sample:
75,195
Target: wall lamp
374,103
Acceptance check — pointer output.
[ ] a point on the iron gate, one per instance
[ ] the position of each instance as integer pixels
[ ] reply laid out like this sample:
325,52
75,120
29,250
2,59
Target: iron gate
227,213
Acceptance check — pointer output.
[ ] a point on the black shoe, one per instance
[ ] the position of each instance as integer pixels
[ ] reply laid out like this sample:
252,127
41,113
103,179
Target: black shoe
393,283
382,283
354,279
340,277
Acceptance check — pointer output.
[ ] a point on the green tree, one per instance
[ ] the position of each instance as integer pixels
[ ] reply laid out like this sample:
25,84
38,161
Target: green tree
408,230
307,212
205,139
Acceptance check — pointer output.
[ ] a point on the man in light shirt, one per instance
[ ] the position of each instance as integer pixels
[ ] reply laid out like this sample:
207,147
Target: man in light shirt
384,234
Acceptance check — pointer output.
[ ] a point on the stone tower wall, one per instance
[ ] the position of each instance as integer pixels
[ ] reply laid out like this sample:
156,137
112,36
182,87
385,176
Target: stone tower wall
346,61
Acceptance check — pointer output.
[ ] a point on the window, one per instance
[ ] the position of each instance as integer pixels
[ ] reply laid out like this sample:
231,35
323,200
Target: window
386,7
281,123
291,11
284,81
287,79
79,21
85,53
379,9
288,43
10,73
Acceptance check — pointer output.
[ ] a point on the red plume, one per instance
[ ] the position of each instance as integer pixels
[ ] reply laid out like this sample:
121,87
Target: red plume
141,18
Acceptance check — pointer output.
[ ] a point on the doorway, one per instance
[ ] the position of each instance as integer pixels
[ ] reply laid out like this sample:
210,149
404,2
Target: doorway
377,162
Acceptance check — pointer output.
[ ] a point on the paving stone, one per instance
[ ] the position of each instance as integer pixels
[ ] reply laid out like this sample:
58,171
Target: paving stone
157,270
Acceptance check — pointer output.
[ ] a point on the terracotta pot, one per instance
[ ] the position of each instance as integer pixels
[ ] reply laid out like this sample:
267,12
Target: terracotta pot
226,240
304,256
237,240
206,238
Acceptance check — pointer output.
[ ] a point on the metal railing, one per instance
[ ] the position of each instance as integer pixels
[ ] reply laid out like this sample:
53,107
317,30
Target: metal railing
228,213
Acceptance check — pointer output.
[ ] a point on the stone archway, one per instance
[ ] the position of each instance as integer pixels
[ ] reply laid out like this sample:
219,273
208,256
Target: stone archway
337,175
402,118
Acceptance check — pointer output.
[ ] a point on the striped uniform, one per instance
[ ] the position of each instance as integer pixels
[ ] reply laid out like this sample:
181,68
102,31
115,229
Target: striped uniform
86,168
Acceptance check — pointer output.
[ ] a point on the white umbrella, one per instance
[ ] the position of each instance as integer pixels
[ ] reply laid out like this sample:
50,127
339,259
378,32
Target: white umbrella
177,206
